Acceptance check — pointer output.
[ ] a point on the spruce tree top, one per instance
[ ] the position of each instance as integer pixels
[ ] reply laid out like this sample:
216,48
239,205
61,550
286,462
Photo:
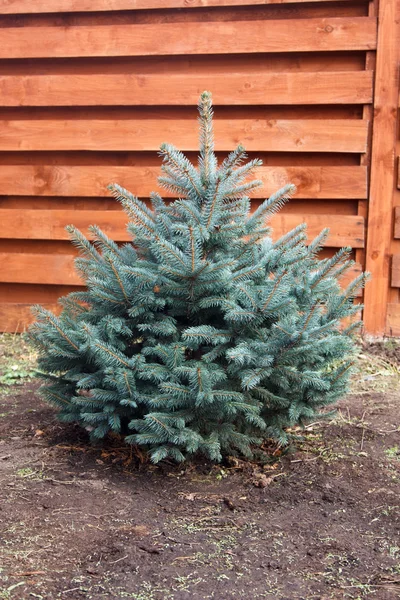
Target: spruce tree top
202,335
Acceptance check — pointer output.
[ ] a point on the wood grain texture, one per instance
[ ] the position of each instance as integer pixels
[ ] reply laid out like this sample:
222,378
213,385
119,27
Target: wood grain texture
383,172
103,91
127,89
345,230
330,34
16,317
368,115
55,269
48,269
393,319
275,135
8,7
69,180
395,271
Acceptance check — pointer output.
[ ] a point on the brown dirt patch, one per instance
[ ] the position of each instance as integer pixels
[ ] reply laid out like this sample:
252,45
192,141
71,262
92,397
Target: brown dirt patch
321,522
388,349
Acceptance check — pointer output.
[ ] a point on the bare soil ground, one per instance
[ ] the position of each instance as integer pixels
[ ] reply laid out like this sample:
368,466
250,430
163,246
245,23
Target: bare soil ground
319,522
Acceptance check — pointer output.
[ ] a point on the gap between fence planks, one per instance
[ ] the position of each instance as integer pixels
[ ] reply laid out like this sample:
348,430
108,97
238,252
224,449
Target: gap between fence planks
285,35
337,182
398,164
396,233
10,293
60,6
272,135
125,89
345,230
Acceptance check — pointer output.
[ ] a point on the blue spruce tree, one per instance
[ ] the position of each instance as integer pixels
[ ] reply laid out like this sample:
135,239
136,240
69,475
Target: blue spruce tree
202,335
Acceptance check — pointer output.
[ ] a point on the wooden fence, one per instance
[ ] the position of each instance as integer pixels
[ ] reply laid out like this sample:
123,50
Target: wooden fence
91,88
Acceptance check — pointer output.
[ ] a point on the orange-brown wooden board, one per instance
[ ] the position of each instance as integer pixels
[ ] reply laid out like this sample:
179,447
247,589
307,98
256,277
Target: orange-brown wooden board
184,89
345,230
56,180
396,233
286,135
285,35
15,318
368,114
58,6
383,168
395,279
393,320
59,269
56,269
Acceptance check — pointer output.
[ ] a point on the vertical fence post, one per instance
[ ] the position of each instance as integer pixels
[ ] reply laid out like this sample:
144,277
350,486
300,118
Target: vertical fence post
382,180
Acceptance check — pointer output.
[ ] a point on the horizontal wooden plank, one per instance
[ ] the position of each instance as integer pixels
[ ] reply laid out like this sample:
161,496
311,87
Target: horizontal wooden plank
126,89
395,278
274,135
241,37
15,318
8,7
393,320
55,269
345,230
56,180
396,232
47,269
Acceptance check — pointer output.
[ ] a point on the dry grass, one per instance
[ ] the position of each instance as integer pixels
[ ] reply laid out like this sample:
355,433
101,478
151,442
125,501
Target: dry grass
17,360
376,373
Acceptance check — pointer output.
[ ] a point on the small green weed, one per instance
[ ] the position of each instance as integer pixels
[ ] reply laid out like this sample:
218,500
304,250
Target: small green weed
393,453
28,472
15,374
222,474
